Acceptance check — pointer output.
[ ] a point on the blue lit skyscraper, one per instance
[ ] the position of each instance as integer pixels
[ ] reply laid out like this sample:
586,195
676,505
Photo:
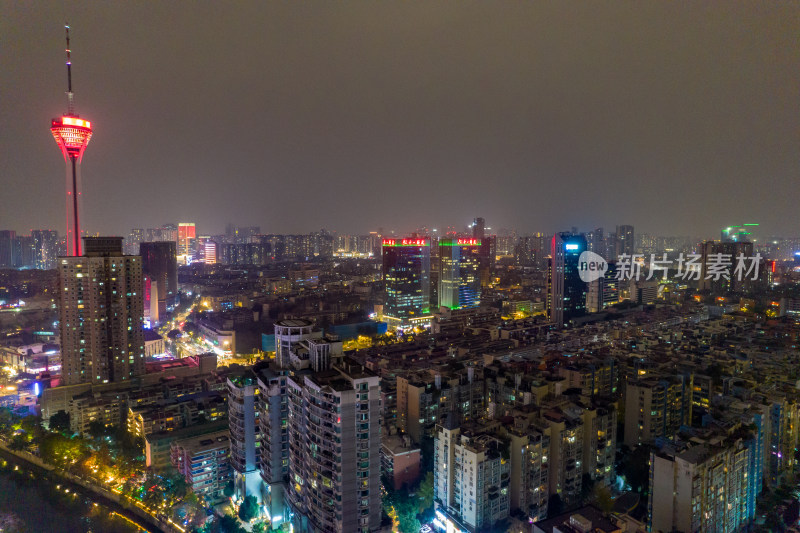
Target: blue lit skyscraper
565,288
406,272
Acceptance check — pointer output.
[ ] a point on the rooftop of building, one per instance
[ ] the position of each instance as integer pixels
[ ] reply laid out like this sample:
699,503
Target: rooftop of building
294,323
216,439
583,520
151,335
399,444
190,431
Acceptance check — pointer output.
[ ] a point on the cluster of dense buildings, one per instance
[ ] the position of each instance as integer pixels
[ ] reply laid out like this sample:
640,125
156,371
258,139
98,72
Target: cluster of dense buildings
515,385
38,250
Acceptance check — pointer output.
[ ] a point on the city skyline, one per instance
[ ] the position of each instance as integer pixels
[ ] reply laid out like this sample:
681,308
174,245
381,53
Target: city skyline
663,117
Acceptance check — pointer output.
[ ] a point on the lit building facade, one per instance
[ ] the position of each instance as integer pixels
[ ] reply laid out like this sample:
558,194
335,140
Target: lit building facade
204,461
101,314
406,272
187,233
45,244
625,241
245,431
656,407
471,478
334,428
566,290
459,273
703,488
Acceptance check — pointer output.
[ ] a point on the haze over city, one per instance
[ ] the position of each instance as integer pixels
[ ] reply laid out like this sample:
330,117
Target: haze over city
678,119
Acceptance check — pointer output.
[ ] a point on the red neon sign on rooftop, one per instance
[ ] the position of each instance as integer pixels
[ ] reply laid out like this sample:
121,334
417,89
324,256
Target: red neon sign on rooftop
406,242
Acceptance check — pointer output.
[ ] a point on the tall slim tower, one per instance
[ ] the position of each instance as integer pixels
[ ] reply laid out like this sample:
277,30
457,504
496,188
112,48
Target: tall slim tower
72,135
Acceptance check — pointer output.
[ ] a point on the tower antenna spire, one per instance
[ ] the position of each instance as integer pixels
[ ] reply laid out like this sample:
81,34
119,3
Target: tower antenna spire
72,134
70,95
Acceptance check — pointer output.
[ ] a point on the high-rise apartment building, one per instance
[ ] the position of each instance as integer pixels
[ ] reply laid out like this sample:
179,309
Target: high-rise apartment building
459,273
471,478
243,419
702,488
101,314
656,407
566,290
335,449
7,238
160,265
727,253
135,237
406,272
305,434
625,241
204,461
273,407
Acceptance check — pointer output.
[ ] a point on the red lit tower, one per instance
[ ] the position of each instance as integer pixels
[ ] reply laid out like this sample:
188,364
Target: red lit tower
72,135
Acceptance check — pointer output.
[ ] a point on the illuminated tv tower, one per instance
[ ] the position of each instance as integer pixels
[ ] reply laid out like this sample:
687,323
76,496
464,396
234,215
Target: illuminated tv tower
72,135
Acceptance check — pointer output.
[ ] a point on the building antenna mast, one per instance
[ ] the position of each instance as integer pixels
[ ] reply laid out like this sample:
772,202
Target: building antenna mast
70,94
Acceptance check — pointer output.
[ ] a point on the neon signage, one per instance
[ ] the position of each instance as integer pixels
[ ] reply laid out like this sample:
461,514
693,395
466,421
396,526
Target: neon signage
405,242
460,242
571,246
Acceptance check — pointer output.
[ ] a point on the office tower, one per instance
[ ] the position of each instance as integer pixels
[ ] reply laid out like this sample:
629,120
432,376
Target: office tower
406,272
45,243
479,228
160,265
459,273
101,314
243,419
335,449
72,135
566,290
487,250
151,312
625,241
187,233
210,255
471,478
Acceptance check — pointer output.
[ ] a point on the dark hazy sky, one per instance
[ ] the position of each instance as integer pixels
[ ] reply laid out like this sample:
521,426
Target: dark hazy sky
676,117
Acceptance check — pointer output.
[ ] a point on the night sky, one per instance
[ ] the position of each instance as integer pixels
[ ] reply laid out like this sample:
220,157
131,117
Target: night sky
678,118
